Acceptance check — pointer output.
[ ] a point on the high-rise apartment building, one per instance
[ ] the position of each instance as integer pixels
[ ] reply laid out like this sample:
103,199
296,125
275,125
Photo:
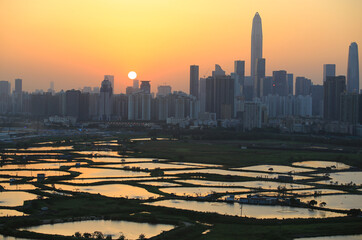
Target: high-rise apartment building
105,101
329,70
280,83
72,100
258,78
350,108
163,90
302,86
224,97
194,80
290,77
202,94
18,96
18,85
145,87
333,88
111,79
136,84
239,70
4,97
267,86
317,100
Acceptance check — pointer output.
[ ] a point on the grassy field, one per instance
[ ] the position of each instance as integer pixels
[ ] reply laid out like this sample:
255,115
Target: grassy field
230,154
281,231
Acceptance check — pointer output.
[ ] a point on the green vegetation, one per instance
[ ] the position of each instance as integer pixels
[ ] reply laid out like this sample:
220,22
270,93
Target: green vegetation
282,231
230,153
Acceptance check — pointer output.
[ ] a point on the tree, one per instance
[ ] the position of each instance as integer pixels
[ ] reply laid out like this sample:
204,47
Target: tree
77,235
122,237
141,237
312,203
98,235
354,212
87,235
157,172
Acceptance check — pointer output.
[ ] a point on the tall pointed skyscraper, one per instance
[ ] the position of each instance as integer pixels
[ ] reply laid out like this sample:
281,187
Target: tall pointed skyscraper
256,44
353,69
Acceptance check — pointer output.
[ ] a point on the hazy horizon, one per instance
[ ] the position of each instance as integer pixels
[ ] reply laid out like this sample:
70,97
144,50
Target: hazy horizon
75,43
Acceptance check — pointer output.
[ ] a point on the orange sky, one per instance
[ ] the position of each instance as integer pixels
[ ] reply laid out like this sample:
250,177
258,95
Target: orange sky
75,42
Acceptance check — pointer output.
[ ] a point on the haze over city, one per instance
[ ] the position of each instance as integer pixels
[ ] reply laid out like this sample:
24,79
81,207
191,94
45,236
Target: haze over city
75,43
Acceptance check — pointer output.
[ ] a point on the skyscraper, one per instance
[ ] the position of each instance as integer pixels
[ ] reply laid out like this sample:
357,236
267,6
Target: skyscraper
52,86
145,87
224,97
111,79
218,72
267,86
239,69
136,84
194,80
18,85
280,83
139,106
256,43
202,94
333,88
317,100
72,100
4,88
17,96
290,83
209,95
302,86
248,88
258,78
329,70
105,101
353,69
163,90
349,107
4,96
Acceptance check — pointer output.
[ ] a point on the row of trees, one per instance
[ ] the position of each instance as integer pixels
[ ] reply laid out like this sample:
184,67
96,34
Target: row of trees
99,235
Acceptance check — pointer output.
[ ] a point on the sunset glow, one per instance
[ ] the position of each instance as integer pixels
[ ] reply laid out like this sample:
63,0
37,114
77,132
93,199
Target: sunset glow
74,43
132,75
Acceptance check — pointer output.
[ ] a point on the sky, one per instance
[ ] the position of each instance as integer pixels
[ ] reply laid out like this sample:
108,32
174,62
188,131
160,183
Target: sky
74,43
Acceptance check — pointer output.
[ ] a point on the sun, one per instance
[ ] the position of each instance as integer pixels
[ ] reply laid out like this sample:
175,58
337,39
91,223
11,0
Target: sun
132,75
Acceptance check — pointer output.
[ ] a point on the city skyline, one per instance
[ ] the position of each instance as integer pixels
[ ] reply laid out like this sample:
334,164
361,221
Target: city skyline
77,63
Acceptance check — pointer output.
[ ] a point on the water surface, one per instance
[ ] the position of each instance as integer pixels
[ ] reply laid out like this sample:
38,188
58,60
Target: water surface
110,190
340,201
131,230
200,191
104,172
344,178
322,164
33,173
275,168
237,209
150,165
10,213
15,198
